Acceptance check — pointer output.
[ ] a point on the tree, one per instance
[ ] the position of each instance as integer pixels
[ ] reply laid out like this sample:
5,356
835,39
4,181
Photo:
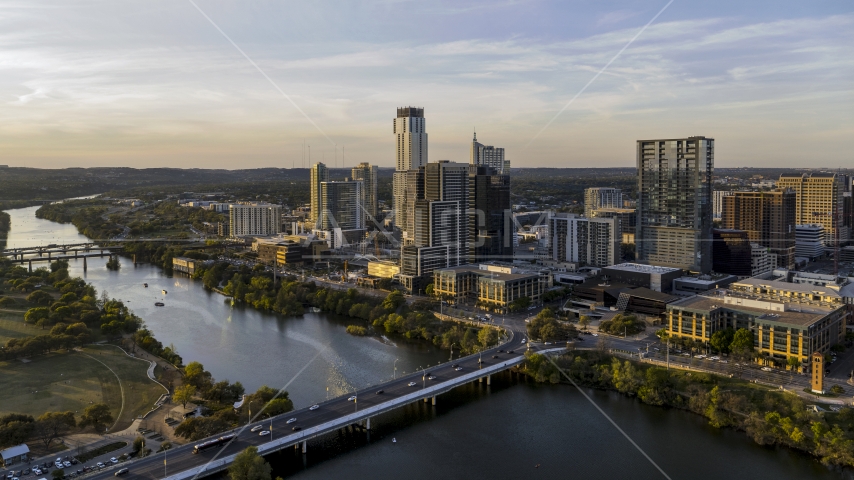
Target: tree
742,342
793,362
837,390
487,336
58,474
33,315
39,297
52,425
429,290
248,465
584,321
138,445
184,394
280,405
97,415
722,339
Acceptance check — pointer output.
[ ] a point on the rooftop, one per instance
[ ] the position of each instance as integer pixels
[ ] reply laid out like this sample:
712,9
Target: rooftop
637,267
801,317
500,276
792,287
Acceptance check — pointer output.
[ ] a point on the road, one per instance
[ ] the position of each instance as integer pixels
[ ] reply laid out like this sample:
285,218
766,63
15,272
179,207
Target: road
182,458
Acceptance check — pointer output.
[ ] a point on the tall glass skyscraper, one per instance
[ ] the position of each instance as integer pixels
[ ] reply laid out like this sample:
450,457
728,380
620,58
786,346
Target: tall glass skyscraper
675,202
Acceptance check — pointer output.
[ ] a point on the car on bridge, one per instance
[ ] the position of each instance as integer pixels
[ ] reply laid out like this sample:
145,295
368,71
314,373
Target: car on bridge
412,384
264,432
352,399
314,407
291,420
121,471
256,428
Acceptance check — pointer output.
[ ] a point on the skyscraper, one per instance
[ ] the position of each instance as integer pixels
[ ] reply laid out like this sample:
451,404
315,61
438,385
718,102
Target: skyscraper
411,144
367,173
674,202
341,218
490,225
601,197
819,200
489,156
319,173
585,241
767,217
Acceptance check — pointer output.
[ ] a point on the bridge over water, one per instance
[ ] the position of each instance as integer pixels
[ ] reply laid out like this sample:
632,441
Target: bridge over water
331,415
52,252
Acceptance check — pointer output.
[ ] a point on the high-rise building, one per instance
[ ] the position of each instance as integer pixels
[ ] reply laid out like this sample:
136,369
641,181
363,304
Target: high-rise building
490,228
601,197
767,217
341,218
367,173
674,202
340,205
319,173
436,229
809,240
245,219
411,143
718,202
731,252
489,156
762,260
585,241
819,200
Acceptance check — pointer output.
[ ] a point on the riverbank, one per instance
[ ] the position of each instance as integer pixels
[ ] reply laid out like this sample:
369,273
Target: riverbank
765,414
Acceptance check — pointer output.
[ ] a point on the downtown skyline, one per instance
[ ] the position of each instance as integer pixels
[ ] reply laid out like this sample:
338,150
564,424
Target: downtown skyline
97,84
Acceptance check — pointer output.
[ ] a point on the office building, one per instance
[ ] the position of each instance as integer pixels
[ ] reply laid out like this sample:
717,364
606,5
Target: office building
767,217
367,173
731,252
600,197
718,203
674,202
341,218
319,174
788,320
490,286
584,241
762,261
489,156
819,200
809,241
253,219
411,154
490,225
628,218
657,279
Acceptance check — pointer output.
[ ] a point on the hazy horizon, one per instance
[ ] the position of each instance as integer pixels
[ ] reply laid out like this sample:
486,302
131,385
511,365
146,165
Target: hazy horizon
98,83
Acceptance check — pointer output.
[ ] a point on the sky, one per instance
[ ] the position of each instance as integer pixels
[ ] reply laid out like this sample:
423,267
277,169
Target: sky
228,84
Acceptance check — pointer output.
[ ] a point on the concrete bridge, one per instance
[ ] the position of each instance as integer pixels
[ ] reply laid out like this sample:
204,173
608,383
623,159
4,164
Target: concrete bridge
181,463
52,252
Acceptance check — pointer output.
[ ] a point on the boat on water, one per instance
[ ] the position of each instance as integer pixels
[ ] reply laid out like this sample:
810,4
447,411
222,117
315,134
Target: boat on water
393,440
159,304
145,285
164,292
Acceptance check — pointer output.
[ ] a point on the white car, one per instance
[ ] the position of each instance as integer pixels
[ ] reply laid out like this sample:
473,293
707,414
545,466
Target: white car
412,384
352,399
100,465
37,471
114,460
67,464
766,369
291,420
459,369
264,432
255,428
314,407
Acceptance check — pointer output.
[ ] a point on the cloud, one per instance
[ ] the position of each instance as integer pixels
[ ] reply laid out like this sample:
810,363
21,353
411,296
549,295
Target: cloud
122,81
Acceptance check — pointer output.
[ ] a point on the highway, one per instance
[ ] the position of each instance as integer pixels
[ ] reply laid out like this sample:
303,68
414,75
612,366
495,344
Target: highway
181,458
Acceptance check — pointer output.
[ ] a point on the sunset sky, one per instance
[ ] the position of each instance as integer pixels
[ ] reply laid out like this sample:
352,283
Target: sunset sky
155,83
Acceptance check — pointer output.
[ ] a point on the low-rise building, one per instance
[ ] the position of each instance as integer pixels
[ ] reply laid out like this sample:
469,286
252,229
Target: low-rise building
490,287
185,265
692,285
13,455
659,279
787,320
383,269
809,241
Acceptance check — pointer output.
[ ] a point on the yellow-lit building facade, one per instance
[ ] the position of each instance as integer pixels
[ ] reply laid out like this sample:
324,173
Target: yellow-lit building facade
787,320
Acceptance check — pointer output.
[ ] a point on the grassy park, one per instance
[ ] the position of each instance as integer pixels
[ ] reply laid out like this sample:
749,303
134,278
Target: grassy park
12,326
73,380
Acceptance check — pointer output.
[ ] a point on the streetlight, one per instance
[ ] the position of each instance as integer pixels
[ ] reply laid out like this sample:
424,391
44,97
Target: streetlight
452,353
249,418
394,375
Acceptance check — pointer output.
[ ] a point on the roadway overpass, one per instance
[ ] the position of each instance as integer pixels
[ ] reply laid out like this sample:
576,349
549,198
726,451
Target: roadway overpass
331,415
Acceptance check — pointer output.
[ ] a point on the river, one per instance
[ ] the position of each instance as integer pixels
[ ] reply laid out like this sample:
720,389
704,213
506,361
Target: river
514,428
